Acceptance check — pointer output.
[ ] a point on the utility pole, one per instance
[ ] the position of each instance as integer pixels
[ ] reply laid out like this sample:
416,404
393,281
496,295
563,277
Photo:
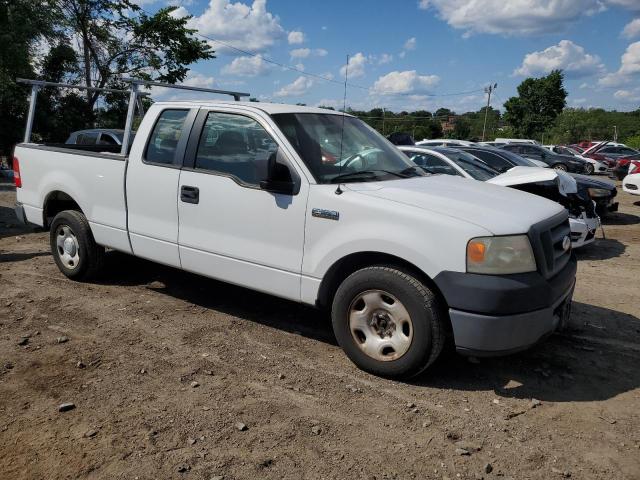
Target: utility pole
383,112
615,133
488,90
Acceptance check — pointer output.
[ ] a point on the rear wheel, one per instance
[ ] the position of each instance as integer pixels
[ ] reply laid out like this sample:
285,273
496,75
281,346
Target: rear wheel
387,322
73,247
560,166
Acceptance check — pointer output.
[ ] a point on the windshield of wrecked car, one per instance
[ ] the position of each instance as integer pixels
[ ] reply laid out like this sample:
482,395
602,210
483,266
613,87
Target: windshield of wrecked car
470,164
356,153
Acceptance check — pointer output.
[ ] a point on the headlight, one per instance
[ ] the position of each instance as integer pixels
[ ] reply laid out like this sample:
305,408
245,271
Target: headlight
598,192
500,255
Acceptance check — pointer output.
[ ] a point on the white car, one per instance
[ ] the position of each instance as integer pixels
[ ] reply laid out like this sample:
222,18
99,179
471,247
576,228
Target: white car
246,193
457,162
443,142
631,184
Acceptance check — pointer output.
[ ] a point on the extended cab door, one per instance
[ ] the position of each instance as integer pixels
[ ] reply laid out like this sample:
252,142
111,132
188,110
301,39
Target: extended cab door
152,184
230,228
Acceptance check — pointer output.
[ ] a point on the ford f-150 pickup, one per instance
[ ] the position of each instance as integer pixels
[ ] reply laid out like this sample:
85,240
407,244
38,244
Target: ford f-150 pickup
314,206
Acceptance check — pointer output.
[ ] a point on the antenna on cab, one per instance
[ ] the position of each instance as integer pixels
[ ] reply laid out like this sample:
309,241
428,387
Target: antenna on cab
344,111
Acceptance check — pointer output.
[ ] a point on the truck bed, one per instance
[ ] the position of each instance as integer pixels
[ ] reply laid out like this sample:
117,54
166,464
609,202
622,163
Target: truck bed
95,180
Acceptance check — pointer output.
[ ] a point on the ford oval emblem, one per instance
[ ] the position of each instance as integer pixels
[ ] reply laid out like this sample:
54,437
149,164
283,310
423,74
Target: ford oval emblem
566,243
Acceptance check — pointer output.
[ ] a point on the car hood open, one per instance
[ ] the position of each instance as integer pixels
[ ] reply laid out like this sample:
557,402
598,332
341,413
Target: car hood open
501,211
525,175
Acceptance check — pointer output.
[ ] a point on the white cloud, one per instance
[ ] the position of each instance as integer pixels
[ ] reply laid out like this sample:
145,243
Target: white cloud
631,60
513,17
247,67
300,53
566,55
628,95
295,37
629,67
298,87
195,79
356,66
300,66
410,44
632,29
630,4
307,52
247,27
385,58
407,82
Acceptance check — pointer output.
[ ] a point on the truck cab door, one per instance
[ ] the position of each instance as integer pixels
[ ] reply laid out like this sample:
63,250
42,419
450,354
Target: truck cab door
230,228
152,179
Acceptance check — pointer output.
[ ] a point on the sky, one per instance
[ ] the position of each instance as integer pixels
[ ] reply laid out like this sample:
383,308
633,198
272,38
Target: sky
415,54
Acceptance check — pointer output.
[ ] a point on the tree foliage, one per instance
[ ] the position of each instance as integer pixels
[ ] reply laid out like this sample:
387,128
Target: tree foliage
23,24
117,38
86,42
539,102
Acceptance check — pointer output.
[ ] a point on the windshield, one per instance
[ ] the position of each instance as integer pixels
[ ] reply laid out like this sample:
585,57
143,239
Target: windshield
356,154
470,164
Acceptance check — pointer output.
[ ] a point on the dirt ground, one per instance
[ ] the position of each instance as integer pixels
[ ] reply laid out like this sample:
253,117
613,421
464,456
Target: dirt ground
127,350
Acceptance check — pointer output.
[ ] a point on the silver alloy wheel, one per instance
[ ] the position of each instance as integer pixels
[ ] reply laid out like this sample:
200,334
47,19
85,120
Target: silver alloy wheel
68,247
589,169
561,166
380,325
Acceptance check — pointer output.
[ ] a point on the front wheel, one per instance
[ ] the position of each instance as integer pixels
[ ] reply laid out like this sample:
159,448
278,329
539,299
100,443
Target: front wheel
589,169
560,166
73,247
387,322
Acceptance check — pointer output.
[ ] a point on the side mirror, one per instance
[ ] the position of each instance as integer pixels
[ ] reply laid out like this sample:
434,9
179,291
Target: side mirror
279,178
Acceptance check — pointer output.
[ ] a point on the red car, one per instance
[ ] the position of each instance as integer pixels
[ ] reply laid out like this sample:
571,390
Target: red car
621,165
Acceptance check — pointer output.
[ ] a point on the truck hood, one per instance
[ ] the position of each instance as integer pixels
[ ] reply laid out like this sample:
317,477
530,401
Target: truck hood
501,211
524,175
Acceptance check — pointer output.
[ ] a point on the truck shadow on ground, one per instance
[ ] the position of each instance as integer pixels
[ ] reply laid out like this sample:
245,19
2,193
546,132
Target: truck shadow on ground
589,363
122,269
620,218
9,225
601,249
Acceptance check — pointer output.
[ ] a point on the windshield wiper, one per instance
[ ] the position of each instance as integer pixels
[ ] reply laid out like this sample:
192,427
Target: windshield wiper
365,175
411,172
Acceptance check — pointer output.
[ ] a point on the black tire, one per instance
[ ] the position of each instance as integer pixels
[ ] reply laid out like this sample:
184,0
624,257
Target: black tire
589,169
560,166
90,256
420,303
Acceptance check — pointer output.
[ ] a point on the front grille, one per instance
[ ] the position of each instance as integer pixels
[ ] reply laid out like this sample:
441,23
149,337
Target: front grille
547,238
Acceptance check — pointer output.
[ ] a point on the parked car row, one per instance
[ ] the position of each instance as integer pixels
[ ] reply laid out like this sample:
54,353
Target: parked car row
504,168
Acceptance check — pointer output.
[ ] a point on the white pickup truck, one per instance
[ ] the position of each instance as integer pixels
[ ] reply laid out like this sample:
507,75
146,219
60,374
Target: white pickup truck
283,199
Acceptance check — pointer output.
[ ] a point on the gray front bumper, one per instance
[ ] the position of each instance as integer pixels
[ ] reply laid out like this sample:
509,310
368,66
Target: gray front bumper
488,335
19,209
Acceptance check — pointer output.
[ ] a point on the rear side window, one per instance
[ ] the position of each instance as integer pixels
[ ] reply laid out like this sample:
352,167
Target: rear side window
165,136
107,139
235,145
90,138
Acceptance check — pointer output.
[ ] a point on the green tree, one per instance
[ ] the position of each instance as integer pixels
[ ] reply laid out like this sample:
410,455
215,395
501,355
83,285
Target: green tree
461,128
537,105
23,23
118,38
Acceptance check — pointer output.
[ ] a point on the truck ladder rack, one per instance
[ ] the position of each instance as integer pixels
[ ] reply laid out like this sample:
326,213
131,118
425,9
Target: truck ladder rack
134,99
